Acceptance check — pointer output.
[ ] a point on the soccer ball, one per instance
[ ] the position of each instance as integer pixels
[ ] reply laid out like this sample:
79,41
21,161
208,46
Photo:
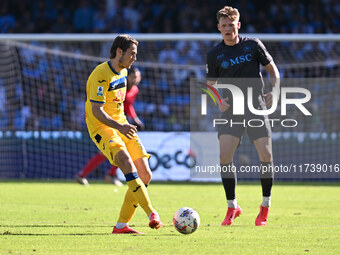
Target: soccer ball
186,220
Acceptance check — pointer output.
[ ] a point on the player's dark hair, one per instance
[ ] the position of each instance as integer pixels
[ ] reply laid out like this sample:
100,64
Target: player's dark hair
228,12
123,42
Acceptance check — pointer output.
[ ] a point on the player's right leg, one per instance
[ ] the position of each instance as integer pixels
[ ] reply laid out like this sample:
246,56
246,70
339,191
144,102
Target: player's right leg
144,171
135,184
130,204
140,159
228,146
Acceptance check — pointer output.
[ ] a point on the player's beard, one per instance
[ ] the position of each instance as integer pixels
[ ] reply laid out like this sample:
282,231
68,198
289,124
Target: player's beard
121,62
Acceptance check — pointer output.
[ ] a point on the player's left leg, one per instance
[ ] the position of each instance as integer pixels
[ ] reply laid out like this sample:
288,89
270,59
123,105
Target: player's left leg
130,204
143,169
264,148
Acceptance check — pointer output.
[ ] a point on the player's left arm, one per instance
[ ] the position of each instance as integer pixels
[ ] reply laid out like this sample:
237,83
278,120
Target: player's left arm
275,81
267,61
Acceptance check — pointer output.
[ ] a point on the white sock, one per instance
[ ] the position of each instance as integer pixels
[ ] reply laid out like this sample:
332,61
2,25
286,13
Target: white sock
121,225
232,203
266,202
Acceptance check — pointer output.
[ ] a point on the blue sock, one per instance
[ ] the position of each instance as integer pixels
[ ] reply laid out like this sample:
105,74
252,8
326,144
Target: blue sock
131,176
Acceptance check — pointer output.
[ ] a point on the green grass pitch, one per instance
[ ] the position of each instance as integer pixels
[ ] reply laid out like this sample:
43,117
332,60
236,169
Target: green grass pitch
67,218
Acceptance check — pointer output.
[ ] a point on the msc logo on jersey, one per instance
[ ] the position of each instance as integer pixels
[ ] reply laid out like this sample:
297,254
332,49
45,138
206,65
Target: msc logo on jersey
100,91
236,61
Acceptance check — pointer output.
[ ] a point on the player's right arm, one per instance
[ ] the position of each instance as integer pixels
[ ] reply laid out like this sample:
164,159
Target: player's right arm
126,129
212,75
224,106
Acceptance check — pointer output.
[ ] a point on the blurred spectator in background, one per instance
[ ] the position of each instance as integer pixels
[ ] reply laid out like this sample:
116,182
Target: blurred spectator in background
7,19
101,19
83,17
169,16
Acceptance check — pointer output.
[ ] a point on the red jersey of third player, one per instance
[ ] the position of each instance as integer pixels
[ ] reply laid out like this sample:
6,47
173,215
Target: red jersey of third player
130,98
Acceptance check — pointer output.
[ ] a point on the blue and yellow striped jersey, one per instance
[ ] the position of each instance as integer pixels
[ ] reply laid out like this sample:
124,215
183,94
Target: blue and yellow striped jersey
108,87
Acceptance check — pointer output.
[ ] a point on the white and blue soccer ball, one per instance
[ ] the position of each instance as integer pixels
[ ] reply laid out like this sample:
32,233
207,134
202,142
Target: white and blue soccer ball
186,220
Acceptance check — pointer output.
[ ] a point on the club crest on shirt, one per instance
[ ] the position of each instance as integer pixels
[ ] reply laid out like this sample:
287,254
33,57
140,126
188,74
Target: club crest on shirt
225,64
246,48
100,91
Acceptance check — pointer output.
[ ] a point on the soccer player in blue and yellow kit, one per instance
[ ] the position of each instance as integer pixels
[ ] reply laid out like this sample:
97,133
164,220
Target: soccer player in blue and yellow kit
114,136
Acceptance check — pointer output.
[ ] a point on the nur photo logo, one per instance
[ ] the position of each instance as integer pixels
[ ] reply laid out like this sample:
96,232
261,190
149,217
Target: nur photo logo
294,96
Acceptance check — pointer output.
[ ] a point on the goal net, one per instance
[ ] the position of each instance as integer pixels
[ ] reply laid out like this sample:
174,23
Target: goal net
43,81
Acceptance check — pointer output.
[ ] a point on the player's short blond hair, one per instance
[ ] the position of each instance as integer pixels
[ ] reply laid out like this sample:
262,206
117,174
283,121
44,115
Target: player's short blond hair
228,12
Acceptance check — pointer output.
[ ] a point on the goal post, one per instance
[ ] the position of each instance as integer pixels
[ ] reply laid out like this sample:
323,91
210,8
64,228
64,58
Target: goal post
42,89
